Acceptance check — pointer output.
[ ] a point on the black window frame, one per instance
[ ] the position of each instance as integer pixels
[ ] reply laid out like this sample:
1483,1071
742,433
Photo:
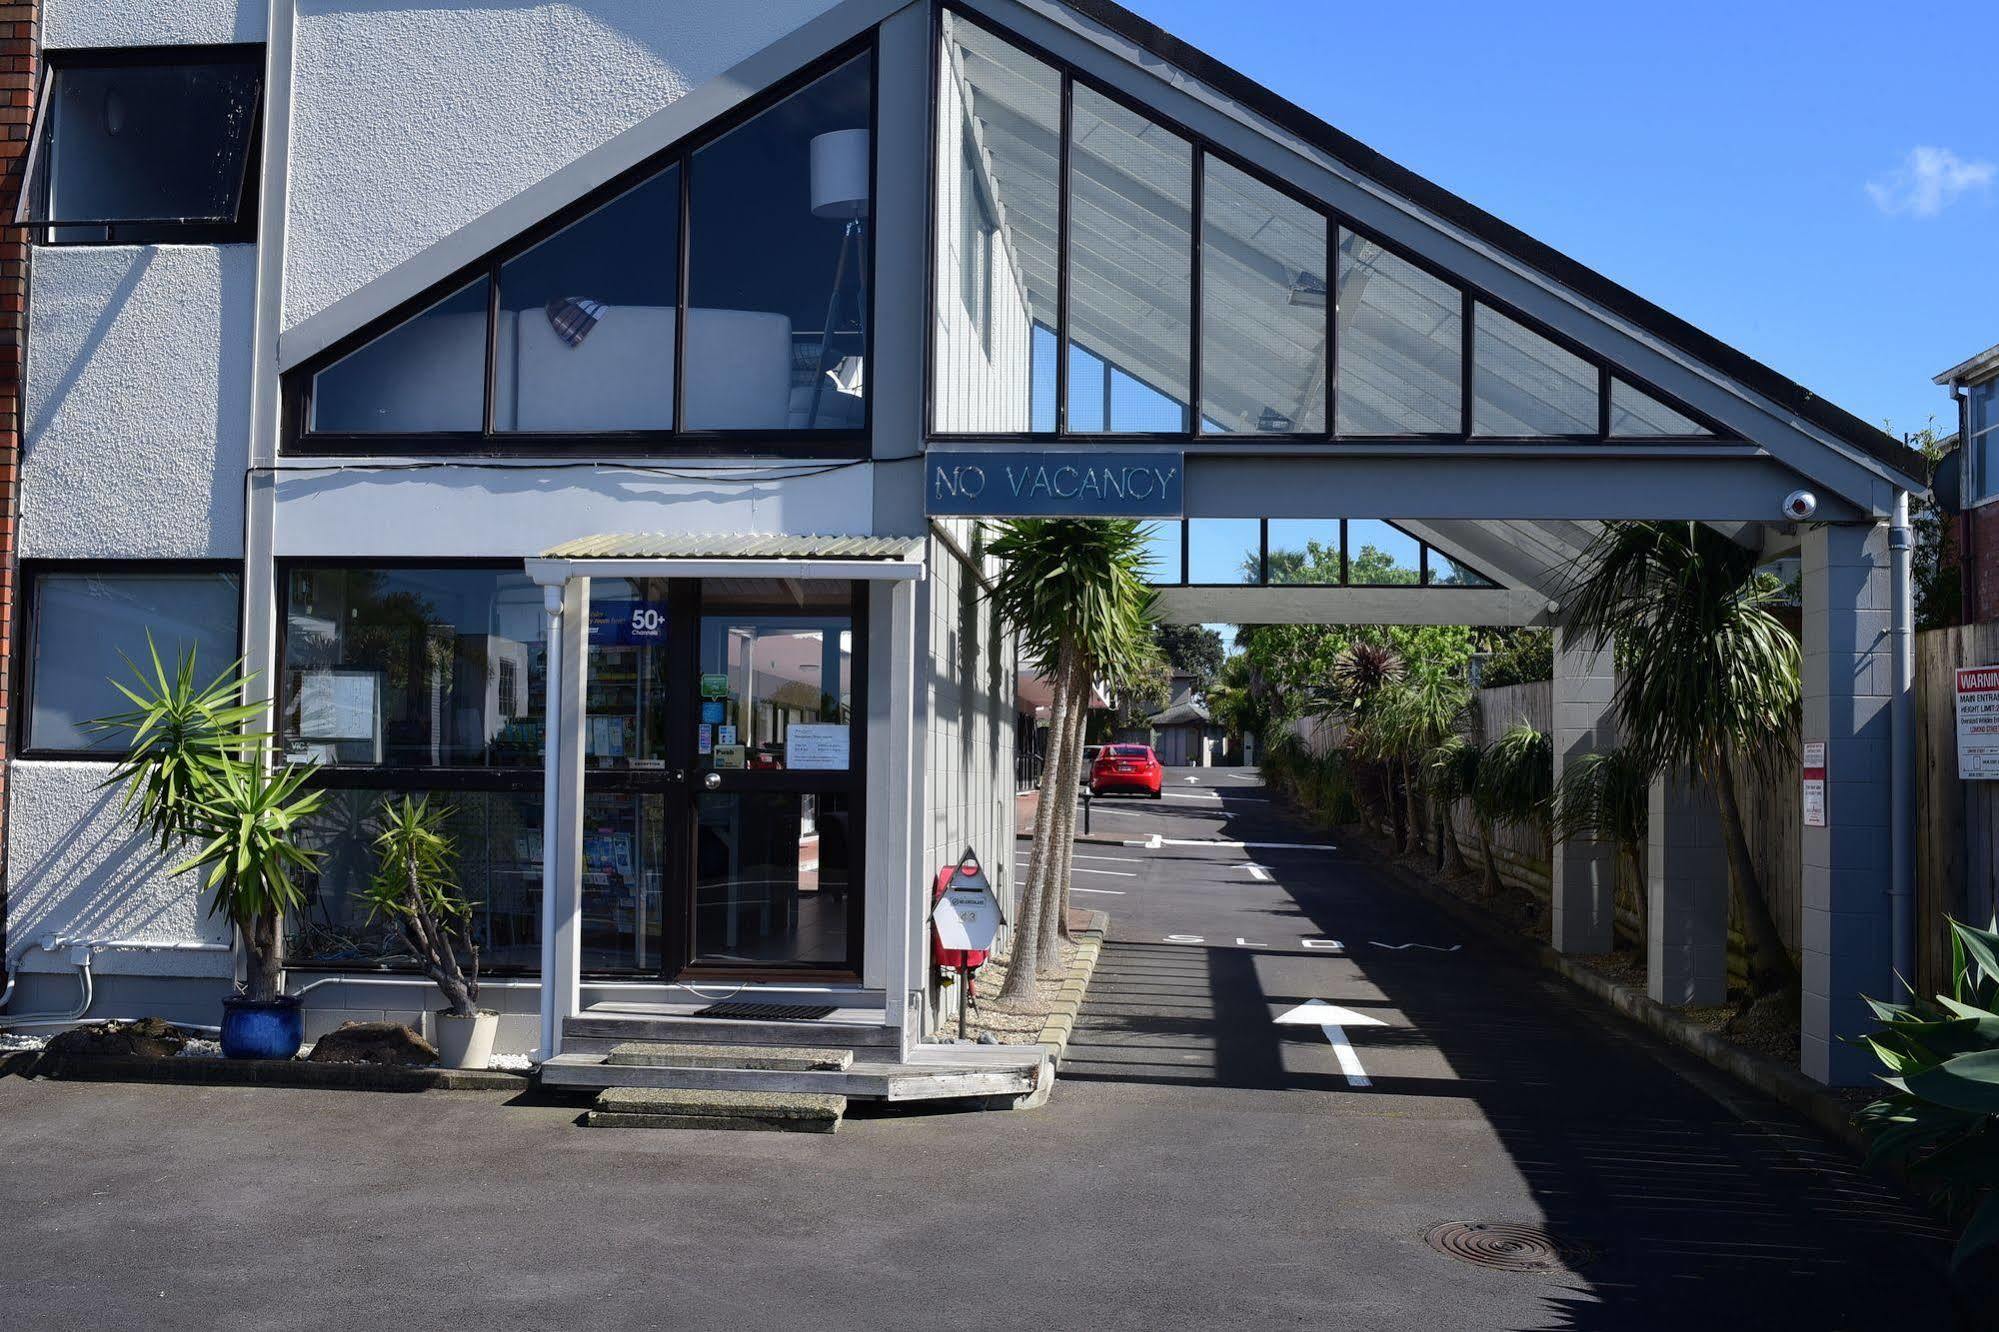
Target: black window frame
297,439
1422,583
27,627
1238,441
143,231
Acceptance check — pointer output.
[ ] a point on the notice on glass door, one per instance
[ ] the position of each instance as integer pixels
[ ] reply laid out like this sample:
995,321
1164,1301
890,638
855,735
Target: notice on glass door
820,745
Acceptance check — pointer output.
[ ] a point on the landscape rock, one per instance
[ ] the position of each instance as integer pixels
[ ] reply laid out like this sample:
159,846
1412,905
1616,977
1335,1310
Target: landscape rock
373,1043
147,1038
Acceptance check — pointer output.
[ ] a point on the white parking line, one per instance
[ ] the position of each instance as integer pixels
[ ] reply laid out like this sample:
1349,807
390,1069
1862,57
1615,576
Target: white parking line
1192,795
1079,855
1115,874
1242,776
1253,846
1258,872
1107,892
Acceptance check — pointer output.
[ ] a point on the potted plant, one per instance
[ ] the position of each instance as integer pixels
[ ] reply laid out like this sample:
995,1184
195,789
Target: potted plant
194,775
416,888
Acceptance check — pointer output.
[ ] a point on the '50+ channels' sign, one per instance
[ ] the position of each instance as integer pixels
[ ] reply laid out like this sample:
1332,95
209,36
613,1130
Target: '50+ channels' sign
1055,483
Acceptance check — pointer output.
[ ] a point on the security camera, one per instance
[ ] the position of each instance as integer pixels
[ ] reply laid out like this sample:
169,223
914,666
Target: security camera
1800,505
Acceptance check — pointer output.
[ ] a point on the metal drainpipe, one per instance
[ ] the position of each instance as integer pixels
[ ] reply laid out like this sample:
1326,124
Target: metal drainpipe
1902,744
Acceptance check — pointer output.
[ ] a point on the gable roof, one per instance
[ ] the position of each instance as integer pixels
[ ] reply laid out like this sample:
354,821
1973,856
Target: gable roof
848,17
1875,443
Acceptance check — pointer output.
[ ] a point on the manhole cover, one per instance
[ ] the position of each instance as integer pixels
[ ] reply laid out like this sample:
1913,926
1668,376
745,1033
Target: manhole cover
1502,1247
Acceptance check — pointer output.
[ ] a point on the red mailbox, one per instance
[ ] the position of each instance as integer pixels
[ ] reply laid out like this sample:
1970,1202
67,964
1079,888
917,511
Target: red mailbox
963,959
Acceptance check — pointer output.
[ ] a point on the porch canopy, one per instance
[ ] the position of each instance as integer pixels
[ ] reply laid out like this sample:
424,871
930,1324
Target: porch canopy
564,572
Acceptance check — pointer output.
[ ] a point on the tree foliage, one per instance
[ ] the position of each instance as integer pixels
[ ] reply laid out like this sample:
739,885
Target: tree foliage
1192,649
415,885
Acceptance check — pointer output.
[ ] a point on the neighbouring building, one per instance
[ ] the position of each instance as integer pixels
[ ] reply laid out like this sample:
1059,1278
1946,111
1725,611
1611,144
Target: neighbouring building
580,413
1968,482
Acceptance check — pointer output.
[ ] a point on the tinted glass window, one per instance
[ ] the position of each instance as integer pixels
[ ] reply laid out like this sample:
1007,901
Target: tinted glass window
91,629
426,374
1401,332
1224,550
1524,384
1130,268
1305,550
1263,308
1381,554
588,319
165,143
998,134
1982,412
776,676
779,262
1634,414
413,667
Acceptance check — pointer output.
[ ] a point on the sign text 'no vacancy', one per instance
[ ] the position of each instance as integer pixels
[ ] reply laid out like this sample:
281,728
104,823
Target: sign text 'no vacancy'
1055,483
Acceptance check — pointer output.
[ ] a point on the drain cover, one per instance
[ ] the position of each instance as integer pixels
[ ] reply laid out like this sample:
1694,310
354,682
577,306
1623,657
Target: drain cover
1503,1247
767,1012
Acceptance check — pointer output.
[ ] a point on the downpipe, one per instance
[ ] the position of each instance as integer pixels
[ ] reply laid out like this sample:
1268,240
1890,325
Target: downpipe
1901,760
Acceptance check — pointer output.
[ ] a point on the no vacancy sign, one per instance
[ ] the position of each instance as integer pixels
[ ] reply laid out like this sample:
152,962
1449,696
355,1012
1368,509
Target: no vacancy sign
1978,723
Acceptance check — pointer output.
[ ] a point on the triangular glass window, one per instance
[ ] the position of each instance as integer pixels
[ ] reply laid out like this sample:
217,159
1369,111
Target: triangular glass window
426,374
1398,345
1638,415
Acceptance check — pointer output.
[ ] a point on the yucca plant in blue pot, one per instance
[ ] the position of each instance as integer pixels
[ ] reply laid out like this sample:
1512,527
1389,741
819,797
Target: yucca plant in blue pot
1937,1125
196,777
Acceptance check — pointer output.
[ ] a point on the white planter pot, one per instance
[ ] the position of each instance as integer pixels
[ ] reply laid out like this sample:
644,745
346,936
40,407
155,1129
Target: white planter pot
466,1042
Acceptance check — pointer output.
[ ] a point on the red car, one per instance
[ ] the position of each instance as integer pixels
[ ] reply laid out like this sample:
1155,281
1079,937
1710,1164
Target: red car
1127,768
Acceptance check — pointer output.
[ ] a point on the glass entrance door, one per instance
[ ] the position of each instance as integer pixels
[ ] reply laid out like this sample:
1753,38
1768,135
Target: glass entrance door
779,756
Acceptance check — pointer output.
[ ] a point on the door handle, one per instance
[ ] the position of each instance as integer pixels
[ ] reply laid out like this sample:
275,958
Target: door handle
713,781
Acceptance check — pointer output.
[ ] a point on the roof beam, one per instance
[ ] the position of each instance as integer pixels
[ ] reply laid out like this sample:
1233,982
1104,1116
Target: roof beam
1352,605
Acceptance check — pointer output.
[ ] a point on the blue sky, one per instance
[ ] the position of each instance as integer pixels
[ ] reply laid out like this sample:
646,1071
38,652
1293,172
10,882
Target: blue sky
1715,158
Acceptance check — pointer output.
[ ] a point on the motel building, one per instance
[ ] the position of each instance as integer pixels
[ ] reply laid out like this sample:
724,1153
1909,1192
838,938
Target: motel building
581,414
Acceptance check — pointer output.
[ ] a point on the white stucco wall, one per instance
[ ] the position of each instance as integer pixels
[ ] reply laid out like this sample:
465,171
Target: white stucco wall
75,870
137,413
151,22
489,511
504,93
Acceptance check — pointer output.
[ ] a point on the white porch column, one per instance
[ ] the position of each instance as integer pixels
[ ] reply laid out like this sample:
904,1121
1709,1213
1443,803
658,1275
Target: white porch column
893,784
567,635
1584,872
1686,888
1849,690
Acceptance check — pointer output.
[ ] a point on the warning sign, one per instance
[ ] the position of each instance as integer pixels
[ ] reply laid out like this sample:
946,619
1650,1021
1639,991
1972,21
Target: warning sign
1814,766
1978,723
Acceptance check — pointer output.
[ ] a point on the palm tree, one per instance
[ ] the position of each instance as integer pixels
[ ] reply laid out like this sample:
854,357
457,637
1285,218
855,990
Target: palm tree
1607,796
1516,779
1074,591
1450,771
1707,678
1430,704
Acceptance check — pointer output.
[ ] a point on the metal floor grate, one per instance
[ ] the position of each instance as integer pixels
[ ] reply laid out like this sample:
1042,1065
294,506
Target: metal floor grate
767,1012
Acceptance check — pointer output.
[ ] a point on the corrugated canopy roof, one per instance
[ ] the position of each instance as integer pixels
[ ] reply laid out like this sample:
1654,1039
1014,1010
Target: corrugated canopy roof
733,546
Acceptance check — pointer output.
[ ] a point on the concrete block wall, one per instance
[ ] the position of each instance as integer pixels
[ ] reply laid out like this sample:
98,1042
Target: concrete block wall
1584,878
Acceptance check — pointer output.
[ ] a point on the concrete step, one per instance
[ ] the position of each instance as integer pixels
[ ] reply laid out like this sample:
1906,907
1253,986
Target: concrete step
670,1054
865,1078
677,1108
600,1031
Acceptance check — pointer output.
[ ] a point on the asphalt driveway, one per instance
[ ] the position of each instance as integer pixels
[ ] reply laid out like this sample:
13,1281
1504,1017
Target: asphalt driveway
1200,1164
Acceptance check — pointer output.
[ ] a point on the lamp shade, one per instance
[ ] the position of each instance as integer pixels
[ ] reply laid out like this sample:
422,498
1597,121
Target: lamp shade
840,174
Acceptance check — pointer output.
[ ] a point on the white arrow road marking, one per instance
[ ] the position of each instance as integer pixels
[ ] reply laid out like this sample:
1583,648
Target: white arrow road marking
1258,872
1334,1021
1435,948
1190,780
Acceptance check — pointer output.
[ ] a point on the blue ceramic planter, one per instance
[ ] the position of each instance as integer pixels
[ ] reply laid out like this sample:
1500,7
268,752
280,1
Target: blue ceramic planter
253,1030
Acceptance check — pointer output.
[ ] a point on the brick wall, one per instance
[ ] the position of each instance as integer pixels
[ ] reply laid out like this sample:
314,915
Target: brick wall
19,61
1978,558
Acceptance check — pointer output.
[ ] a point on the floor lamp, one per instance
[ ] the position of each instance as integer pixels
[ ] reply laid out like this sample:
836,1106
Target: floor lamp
840,162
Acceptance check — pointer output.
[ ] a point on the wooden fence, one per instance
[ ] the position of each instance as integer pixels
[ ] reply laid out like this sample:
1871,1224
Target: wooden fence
1957,852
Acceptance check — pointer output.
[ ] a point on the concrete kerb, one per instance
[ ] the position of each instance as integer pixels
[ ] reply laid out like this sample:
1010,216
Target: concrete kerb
1069,999
1787,1086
